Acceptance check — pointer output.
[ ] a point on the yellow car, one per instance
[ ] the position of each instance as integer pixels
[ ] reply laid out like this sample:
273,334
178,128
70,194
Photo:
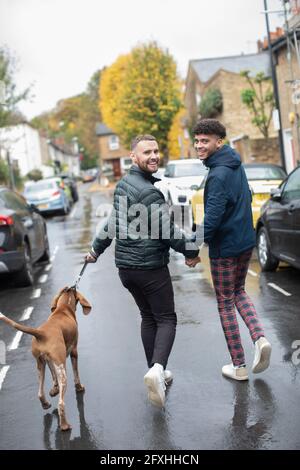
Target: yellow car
262,177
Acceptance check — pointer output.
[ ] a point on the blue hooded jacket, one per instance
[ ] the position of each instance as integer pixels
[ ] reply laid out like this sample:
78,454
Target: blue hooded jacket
228,225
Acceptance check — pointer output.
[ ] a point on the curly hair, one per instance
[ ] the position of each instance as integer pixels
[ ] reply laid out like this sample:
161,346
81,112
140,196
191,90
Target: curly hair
210,127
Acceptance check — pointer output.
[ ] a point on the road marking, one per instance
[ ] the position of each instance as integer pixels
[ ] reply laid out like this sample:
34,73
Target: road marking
48,267
73,211
15,342
54,253
3,373
43,278
26,314
274,286
36,293
253,273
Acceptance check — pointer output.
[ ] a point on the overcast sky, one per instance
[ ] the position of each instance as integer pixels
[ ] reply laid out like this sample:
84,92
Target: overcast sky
61,43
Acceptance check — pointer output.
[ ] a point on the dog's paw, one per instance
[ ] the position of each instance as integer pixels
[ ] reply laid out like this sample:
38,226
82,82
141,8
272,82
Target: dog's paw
54,391
46,405
79,388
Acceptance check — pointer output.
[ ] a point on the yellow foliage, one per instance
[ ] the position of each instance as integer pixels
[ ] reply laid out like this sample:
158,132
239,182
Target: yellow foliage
140,94
178,144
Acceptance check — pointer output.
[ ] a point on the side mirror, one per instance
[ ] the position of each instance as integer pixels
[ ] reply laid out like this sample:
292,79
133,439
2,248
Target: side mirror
34,208
276,194
167,175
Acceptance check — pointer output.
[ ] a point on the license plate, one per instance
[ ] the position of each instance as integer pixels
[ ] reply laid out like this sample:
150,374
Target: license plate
43,206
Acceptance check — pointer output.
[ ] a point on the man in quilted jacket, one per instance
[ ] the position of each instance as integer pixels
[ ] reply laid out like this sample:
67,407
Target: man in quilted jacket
144,233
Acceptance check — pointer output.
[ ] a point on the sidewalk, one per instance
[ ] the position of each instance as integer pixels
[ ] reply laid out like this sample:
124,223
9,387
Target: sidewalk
97,187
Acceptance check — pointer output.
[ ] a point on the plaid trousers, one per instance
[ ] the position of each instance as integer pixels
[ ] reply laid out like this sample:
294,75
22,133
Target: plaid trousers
229,276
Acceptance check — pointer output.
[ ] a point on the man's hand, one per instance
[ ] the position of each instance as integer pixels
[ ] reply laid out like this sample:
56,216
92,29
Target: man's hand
191,262
90,258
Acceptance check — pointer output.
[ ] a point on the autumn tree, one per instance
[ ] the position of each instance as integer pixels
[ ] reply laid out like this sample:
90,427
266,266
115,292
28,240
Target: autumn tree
140,94
9,114
178,141
259,99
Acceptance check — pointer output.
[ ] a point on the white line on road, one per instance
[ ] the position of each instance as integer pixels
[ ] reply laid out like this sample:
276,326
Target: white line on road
253,273
26,314
43,278
54,253
73,211
274,286
15,342
36,293
3,373
48,267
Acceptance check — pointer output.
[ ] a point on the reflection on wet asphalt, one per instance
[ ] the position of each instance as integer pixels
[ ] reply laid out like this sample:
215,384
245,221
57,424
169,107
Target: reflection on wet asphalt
203,409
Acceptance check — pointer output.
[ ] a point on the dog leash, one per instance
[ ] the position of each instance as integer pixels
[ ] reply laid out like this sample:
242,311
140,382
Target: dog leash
80,275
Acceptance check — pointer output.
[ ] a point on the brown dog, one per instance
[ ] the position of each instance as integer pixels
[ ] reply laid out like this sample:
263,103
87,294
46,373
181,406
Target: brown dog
53,341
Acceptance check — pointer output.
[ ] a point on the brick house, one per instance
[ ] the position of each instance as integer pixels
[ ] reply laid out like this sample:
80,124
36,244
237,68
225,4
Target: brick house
223,73
111,150
288,78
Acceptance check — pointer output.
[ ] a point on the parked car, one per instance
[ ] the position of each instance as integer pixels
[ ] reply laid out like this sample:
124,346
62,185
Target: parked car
180,179
90,175
278,228
48,196
23,237
262,177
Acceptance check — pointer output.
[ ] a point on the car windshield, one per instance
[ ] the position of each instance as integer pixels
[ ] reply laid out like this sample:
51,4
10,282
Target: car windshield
42,186
264,173
190,169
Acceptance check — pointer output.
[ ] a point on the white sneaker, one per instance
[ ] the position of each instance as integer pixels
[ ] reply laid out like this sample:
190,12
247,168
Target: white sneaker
168,377
262,355
155,381
235,372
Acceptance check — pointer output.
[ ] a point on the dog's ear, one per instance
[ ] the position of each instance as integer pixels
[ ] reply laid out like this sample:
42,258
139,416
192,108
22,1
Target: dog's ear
86,306
55,299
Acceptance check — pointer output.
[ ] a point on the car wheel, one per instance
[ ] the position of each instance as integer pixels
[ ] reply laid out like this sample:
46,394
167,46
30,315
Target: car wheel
46,254
24,277
267,261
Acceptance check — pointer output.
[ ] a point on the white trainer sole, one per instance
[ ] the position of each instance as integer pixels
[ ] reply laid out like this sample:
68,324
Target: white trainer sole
264,361
153,395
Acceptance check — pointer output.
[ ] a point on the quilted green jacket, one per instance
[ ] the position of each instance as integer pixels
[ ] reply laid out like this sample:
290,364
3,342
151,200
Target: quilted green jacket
142,226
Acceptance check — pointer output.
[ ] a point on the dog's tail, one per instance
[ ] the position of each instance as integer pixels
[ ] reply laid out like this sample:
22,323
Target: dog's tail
26,329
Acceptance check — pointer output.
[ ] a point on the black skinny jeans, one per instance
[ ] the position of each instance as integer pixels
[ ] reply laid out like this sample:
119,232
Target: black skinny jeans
153,293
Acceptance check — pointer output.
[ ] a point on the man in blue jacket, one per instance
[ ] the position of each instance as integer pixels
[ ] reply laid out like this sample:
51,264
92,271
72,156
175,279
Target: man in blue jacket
228,231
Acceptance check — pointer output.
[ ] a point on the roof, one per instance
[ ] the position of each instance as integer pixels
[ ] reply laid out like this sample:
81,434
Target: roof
102,129
206,68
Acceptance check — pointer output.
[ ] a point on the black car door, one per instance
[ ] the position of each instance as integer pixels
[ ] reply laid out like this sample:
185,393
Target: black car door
286,237
292,190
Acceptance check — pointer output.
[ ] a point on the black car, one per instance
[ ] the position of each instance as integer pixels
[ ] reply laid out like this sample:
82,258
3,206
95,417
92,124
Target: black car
23,237
278,228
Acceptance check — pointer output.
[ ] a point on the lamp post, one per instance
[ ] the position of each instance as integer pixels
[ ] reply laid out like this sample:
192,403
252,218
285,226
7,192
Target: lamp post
275,87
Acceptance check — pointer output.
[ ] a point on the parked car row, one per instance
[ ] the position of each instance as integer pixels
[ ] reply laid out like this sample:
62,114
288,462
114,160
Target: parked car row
23,237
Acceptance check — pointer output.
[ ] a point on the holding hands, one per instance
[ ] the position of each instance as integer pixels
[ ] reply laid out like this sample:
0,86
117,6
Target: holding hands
192,262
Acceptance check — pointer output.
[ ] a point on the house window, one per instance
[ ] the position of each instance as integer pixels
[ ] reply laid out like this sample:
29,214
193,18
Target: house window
113,142
198,98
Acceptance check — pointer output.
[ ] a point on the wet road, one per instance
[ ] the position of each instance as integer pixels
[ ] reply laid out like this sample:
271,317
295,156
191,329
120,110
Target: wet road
203,409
